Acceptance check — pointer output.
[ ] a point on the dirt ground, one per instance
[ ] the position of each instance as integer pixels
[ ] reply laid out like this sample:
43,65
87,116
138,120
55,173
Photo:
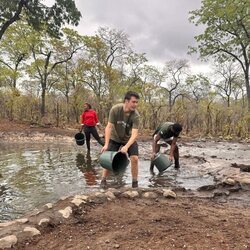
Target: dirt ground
140,223
183,223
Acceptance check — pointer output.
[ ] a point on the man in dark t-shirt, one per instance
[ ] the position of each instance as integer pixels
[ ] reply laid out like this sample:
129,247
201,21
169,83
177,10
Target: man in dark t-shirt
167,132
121,133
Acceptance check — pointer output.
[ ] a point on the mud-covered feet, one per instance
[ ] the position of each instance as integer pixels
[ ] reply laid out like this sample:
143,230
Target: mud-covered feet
151,169
134,184
176,165
103,184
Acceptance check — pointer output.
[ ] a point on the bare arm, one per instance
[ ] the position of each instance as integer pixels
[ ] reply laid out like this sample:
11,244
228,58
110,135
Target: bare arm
107,136
82,122
173,144
154,145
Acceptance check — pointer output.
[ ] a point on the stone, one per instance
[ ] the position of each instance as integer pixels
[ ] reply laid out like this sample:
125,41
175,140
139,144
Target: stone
49,205
99,194
110,195
245,183
32,231
6,224
82,197
78,201
23,220
131,194
44,220
169,193
66,212
150,195
229,181
8,241
218,193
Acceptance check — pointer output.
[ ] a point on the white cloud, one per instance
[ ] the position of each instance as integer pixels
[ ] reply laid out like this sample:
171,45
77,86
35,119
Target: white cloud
159,28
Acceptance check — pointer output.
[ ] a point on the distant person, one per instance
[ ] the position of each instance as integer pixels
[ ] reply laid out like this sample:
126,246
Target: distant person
89,121
167,132
121,133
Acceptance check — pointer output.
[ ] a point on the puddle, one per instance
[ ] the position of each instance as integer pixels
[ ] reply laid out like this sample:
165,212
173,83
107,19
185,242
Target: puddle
35,174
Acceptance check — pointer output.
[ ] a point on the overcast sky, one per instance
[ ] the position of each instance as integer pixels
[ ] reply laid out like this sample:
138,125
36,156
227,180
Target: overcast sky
159,28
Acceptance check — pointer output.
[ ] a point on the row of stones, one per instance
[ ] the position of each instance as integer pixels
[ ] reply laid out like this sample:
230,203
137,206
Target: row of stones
21,232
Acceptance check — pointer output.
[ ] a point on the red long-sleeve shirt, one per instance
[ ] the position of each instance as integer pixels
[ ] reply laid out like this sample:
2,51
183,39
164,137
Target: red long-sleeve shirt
89,117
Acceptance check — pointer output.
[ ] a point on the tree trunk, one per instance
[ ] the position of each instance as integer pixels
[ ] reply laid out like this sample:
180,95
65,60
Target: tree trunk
248,89
170,105
43,102
67,108
57,115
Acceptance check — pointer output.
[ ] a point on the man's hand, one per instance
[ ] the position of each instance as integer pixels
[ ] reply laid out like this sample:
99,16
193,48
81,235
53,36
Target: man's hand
153,156
171,157
104,148
124,150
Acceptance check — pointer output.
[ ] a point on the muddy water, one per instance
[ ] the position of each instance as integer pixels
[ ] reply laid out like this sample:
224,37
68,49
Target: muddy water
35,174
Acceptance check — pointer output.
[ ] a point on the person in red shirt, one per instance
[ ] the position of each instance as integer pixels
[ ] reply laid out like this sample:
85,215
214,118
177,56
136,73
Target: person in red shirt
88,125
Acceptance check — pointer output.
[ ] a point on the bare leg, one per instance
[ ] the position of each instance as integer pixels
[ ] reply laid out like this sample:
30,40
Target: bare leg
105,174
134,167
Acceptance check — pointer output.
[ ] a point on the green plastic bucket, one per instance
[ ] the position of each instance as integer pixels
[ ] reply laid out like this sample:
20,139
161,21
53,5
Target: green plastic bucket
162,162
114,161
80,138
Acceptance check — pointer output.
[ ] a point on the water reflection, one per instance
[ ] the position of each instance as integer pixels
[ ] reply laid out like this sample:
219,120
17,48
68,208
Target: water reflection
35,174
84,164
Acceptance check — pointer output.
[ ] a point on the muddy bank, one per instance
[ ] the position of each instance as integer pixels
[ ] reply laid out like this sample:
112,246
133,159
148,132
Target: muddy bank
131,219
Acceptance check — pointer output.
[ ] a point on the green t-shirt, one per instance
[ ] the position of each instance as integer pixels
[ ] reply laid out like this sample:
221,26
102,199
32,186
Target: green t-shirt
122,123
164,130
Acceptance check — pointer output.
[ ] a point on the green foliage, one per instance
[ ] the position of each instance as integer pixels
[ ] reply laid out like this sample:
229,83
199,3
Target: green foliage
39,15
227,33
226,27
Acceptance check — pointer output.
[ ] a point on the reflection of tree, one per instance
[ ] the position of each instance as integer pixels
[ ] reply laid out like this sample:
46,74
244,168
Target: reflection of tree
85,166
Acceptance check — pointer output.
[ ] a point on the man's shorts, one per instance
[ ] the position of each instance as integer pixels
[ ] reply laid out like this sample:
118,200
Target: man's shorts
115,146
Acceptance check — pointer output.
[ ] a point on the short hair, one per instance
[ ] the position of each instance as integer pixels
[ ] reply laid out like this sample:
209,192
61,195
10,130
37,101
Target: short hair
177,127
129,94
88,105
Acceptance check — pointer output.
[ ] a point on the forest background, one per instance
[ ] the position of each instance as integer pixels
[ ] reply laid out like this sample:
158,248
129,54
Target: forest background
48,70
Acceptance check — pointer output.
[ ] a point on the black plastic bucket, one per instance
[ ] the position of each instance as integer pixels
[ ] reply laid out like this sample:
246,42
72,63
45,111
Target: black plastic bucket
80,138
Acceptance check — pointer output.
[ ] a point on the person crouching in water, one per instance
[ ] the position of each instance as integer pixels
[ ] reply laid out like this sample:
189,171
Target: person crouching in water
88,125
167,132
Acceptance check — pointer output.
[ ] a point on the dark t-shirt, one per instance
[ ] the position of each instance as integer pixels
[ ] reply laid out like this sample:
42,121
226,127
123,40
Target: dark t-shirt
165,132
122,123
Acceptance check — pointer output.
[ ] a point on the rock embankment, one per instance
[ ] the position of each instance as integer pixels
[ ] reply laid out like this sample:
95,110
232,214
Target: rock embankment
66,209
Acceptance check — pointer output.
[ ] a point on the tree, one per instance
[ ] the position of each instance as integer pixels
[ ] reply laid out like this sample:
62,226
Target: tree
118,47
175,73
48,53
13,52
198,86
227,32
226,82
39,15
